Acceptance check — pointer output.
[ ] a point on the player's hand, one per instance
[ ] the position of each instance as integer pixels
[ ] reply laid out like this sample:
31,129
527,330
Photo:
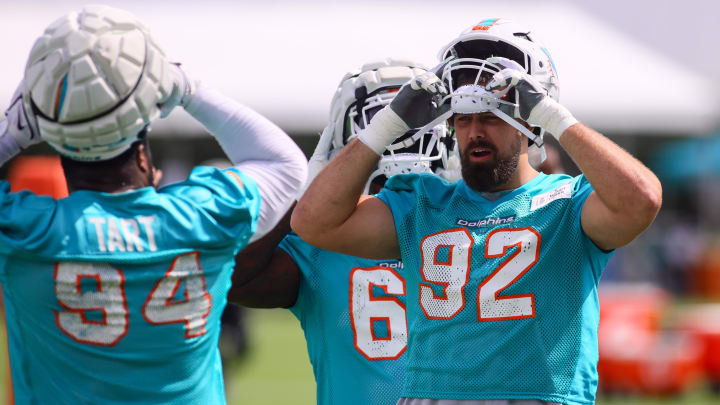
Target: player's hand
418,101
22,124
182,90
321,156
532,102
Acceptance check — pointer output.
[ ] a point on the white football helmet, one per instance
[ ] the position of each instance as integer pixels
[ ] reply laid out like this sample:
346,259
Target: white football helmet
94,80
483,50
363,93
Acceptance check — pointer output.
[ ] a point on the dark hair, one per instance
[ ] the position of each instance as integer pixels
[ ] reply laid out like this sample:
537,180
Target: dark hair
119,168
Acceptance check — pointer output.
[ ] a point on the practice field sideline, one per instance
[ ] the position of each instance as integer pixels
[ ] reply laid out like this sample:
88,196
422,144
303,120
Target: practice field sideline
277,371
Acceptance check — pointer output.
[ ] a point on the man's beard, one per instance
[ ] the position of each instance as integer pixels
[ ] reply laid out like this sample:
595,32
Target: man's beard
492,174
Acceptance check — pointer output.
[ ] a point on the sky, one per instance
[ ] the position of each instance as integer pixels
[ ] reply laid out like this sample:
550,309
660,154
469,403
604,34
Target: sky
687,30
285,58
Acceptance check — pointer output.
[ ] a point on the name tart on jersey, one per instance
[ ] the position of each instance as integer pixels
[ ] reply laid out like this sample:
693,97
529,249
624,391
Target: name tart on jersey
392,265
485,222
124,234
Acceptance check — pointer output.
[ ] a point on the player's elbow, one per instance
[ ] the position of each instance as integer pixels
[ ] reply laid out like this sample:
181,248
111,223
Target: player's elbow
302,222
648,201
309,226
636,217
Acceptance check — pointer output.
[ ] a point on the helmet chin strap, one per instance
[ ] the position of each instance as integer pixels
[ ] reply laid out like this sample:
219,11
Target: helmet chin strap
429,126
536,152
535,138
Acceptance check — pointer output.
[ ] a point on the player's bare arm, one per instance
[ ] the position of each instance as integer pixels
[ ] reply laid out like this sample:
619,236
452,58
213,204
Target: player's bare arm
334,215
265,276
627,194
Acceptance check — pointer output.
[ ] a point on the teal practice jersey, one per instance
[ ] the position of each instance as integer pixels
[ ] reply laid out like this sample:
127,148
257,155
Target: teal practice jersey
501,292
116,298
352,311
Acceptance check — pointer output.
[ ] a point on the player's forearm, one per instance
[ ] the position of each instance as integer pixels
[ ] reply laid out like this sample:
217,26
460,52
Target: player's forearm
265,276
256,146
244,134
333,196
624,185
275,287
255,257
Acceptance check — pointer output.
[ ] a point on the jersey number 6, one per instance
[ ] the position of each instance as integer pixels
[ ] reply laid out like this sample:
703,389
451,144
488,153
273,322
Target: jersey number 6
446,261
366,310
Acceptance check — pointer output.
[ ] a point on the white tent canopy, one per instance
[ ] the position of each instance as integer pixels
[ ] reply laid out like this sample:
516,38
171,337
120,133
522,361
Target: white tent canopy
285,59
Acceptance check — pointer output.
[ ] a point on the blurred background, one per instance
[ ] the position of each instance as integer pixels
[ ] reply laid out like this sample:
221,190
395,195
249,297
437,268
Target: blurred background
645,73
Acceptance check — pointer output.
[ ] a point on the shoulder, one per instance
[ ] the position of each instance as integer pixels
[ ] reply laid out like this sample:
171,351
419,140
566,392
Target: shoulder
206,182
415,181
218,190
25,217
420,185
25,199
300,251
560,183
559,187
307,256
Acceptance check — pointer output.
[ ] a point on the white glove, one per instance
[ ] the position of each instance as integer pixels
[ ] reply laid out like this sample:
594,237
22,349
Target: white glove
21,124
321,156
417,103
182,90
533,104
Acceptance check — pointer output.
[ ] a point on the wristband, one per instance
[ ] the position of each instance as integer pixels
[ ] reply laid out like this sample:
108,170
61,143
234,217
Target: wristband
385,127
552,117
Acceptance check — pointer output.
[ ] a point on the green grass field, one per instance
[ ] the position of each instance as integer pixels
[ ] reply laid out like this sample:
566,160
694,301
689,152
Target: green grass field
277,371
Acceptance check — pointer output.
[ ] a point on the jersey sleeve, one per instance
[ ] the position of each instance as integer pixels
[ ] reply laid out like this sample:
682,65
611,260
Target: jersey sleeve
306,258
228,199
24,217
580,192
400,194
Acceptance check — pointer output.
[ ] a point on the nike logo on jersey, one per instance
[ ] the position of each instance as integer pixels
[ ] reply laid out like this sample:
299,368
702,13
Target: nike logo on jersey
485,222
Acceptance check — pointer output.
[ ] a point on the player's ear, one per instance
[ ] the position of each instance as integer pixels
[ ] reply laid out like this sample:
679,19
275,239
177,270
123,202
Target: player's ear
142,159
157,176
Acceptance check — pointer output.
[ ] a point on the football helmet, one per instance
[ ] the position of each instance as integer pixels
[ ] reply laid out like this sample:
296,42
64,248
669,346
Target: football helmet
361,94
94,80
484,49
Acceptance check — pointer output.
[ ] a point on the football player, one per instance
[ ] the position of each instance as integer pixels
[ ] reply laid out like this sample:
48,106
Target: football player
502,267
114,294
352,310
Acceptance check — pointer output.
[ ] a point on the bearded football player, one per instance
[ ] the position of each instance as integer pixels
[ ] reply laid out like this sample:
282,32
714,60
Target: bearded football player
502,267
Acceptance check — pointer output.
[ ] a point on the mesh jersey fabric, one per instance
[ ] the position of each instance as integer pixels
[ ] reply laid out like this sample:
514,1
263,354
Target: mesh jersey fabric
116,298
502,295
352,312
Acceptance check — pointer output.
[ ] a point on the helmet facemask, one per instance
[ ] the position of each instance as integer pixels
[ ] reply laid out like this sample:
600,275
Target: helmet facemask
477,49
466,78
413,152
